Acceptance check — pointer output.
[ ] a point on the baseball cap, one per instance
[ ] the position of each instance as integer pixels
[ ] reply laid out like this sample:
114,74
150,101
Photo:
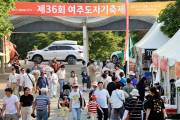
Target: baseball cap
104,75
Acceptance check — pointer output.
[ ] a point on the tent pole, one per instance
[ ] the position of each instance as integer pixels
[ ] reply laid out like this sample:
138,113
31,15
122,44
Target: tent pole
169,90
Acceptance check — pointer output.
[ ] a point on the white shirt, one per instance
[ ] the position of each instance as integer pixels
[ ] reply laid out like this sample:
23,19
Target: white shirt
36,72
28,82
75,98
21,79
13,78
117,74
61,74
71,80
117,97
10,104
108,78
53,76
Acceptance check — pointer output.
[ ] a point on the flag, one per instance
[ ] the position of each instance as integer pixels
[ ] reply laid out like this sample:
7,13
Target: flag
131,45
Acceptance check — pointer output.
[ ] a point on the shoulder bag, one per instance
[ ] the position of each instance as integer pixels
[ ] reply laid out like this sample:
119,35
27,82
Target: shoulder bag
80,99
31,80
128,117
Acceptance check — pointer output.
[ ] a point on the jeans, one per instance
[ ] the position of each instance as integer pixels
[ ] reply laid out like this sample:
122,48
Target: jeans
61,82
105,110
53,88
76,113
84,79
42,115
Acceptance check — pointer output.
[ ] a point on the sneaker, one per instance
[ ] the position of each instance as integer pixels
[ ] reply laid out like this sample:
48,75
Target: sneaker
89,117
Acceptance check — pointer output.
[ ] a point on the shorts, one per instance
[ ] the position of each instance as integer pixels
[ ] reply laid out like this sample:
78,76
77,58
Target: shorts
84,79
93,78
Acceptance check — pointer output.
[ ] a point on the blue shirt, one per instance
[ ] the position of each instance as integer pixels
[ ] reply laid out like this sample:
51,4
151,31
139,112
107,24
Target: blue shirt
41,102
103,95
134,82
42,82
123,80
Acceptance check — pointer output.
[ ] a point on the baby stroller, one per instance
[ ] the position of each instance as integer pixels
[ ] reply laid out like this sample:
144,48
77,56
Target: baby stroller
64,95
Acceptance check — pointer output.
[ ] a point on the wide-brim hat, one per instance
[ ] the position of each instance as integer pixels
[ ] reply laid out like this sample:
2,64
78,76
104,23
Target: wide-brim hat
94,96
64,102
135,92
94,83
75,84
131,73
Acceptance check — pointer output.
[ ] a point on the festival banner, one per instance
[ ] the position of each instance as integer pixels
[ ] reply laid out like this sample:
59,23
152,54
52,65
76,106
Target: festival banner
155,60
177,68
139,52
87,9
163,64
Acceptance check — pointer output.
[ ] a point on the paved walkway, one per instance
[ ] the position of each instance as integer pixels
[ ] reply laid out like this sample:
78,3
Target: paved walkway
54,101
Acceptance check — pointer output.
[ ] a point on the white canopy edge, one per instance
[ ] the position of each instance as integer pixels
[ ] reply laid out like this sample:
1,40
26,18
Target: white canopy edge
178,60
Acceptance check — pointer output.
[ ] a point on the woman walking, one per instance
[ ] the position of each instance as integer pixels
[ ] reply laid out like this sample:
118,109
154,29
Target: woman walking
73,78
84,75
89,80
141,87
156,108
53,83
74,105
118,97
36,74
25,106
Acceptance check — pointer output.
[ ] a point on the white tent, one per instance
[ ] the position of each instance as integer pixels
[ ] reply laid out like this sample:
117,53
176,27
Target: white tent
148,35
178,60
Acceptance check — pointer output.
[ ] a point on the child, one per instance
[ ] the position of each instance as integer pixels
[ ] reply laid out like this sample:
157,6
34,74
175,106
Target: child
64,110
92,107
2,117
73,78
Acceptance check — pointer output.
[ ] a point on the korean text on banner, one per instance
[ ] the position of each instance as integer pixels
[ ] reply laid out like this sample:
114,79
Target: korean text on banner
177,68
163,64
87,9
139,52
155,60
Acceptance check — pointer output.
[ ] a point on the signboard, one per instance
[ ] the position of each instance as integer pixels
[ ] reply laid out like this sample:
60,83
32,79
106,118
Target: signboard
148,53
87,9
155,60
177,69
132,66
163,64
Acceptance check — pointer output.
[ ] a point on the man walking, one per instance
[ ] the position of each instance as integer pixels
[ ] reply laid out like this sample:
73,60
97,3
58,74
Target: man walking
62,77
41,102
128,88
42,82
92,71
131,75
21,79
102,101
14,81
10,105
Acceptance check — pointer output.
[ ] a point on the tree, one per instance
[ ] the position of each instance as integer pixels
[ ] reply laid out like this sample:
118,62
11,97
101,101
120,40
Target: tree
170,17
5,25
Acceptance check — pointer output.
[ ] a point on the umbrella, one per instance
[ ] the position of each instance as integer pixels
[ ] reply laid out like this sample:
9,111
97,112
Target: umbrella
46,68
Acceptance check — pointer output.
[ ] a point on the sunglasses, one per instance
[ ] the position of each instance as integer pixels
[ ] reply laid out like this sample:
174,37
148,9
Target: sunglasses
22,70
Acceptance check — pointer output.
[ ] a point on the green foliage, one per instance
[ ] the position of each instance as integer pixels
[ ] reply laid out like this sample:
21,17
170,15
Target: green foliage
35,46
5,25
170,17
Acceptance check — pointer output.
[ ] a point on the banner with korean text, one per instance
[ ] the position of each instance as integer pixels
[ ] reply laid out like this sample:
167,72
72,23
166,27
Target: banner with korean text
87,9
155,60
163,64
177,68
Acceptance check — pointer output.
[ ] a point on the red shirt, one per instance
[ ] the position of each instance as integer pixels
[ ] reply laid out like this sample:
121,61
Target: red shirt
93,107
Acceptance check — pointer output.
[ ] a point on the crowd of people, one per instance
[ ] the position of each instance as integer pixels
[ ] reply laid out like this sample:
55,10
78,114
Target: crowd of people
112,97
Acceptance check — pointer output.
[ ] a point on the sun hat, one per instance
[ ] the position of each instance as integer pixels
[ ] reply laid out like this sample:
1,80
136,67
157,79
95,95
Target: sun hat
135,92
75,84
108,60
94,96
94,83
104,75
64,102
131,73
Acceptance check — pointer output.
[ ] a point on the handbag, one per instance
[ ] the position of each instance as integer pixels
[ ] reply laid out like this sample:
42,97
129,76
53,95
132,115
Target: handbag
128,117
31,80
80,99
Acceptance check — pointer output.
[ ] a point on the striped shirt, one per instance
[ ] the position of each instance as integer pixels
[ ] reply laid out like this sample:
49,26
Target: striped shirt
136,115
41,102
93,107
64,111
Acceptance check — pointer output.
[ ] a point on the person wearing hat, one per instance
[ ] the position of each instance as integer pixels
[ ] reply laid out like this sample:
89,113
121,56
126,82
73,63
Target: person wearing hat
62,77
74,104
128,88
29,81
92,71
42,82
118,71
41,103
92,107
118,97
108,64
54,64
132,76
63,110
137,114
105,81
